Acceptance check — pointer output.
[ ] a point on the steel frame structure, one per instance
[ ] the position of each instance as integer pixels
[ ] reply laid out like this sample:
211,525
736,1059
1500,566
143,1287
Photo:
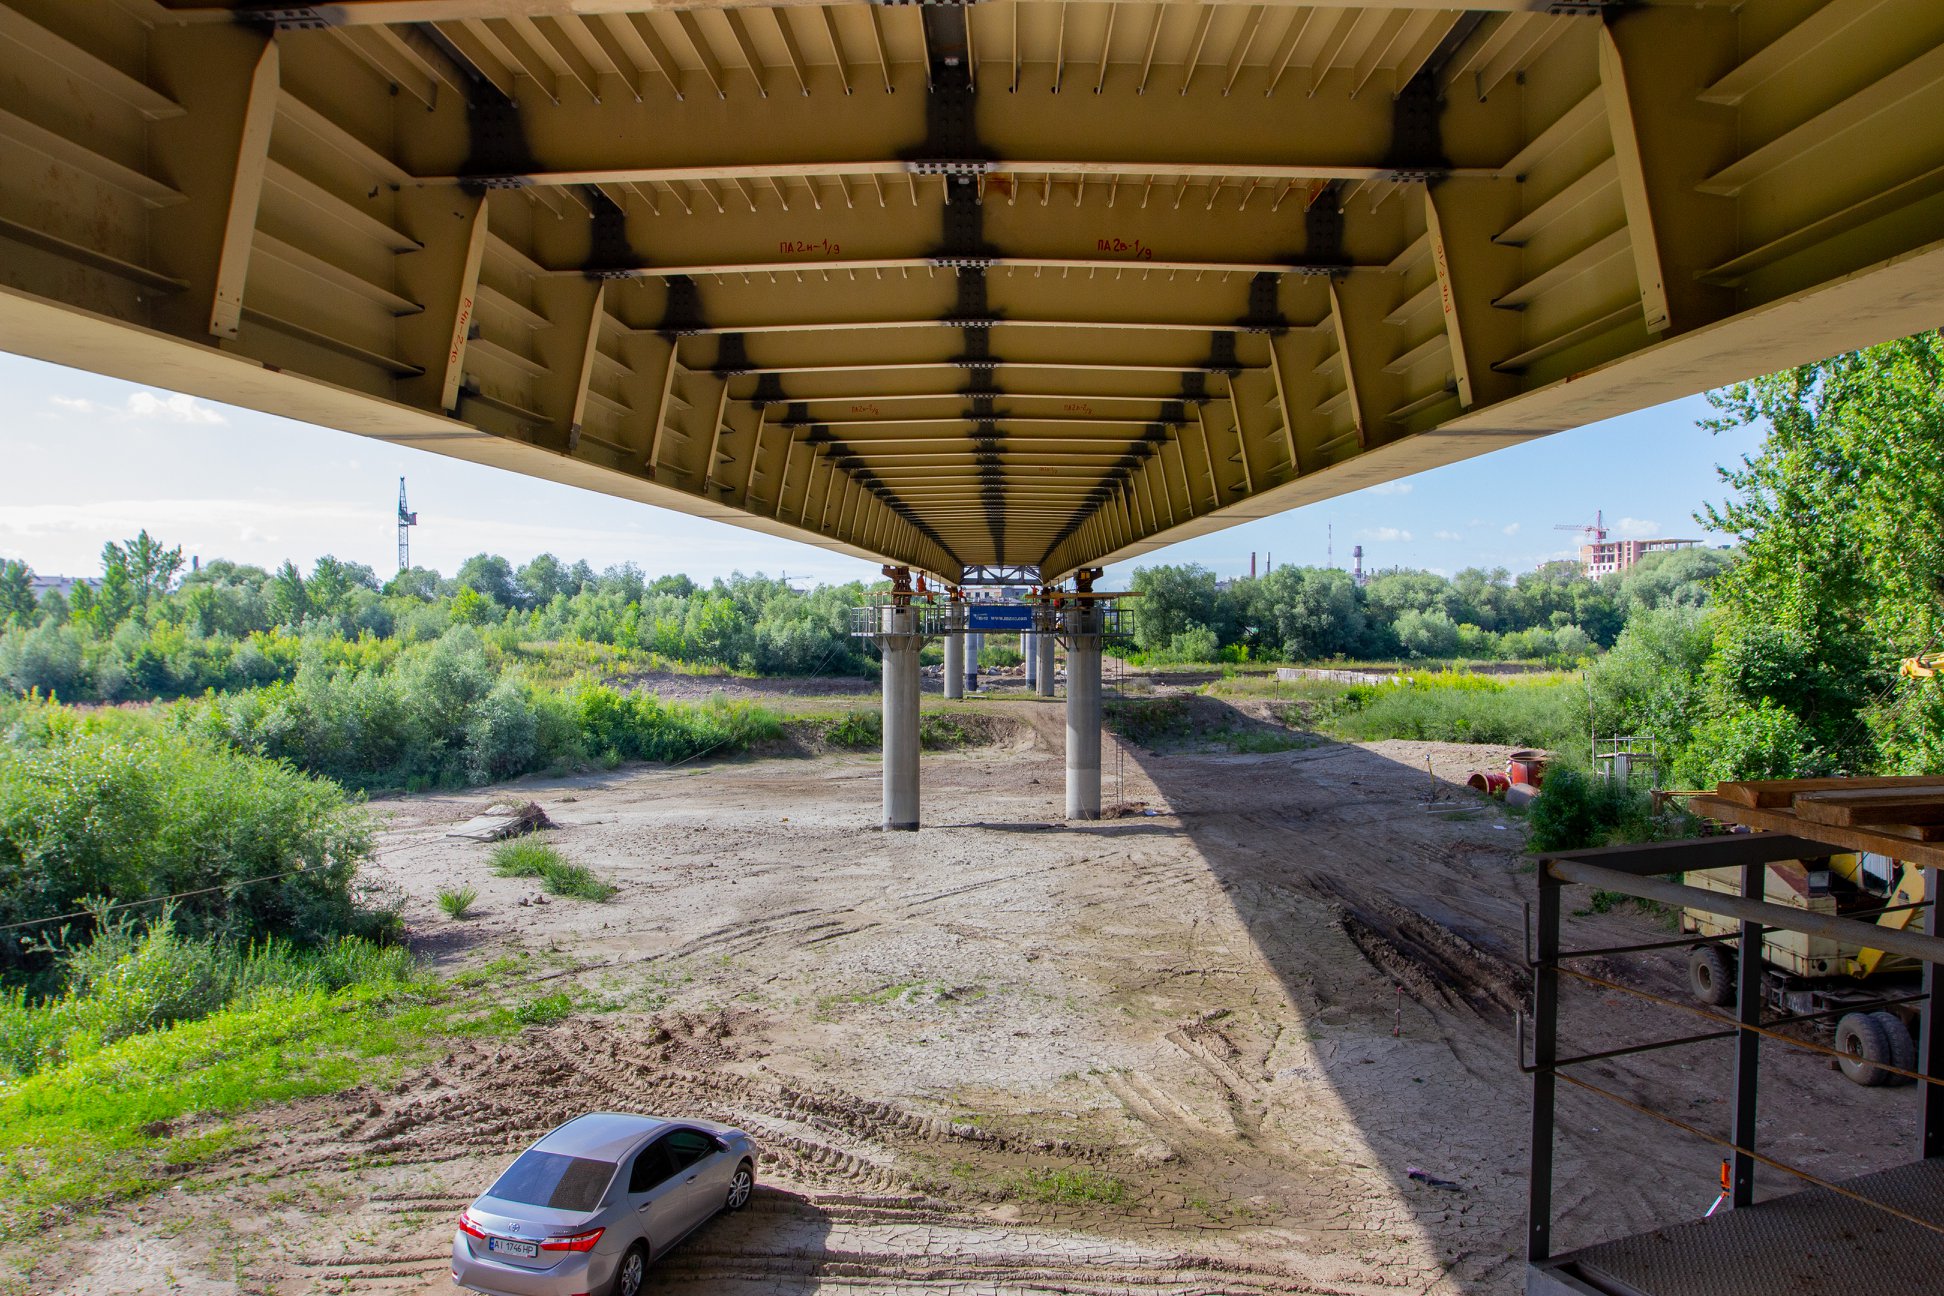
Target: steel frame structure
1639,871
1023,282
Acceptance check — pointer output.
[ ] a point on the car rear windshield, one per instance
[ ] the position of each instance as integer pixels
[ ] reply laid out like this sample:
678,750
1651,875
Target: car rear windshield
550,1179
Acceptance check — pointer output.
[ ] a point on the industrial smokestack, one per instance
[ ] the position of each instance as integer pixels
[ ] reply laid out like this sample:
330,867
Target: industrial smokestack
1252,574
1356,564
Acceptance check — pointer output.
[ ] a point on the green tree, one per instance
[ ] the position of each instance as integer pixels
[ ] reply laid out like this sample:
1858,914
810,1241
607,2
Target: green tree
1426,634
1172,599
470,607
333,582
543,580
1840,516
415,583
16,592
136,573
1307,613
290,599
492,577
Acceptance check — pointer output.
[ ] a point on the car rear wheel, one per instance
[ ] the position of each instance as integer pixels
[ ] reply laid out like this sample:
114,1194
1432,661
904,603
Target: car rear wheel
633,1272
1865,1046
1711,974
742,1186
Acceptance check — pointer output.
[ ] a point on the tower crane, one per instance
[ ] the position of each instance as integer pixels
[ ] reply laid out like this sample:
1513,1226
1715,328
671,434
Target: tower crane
406,521
1598,530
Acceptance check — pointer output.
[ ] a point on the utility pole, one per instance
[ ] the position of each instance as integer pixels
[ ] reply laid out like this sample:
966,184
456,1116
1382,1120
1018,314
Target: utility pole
406,521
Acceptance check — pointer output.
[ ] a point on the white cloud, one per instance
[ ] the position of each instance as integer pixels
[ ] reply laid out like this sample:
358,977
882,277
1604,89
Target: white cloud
144,406
1383,533
1510,528
174,408
1629,528
1446,535
1391,488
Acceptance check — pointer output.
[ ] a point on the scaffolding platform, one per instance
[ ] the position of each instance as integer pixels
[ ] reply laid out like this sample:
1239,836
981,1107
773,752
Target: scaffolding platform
1810,1243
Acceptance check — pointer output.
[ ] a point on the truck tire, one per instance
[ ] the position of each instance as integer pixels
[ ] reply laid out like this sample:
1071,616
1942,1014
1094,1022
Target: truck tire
1903,1047
1865,1046
1711,974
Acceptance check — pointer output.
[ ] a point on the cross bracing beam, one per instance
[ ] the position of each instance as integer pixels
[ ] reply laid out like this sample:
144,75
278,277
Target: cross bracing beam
1283,250
391,12
1145,268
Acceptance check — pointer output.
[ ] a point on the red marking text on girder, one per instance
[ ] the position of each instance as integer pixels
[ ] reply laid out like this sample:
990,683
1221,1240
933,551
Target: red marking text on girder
1134,248
812,247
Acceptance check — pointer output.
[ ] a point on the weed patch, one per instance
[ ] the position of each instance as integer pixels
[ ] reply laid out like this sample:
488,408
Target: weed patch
1068,1186
457,902
539,860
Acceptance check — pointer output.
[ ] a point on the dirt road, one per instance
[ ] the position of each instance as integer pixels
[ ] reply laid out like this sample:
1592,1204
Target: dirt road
1194,1048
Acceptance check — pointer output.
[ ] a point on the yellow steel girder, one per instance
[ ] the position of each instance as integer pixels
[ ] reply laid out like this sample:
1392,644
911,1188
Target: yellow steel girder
1020,282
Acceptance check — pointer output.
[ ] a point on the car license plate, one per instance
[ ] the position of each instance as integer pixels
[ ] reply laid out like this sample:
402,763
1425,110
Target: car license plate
509,1246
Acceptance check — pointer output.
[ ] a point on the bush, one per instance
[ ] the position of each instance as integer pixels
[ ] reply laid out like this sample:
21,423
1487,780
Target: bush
1575,812
1195,645
125,809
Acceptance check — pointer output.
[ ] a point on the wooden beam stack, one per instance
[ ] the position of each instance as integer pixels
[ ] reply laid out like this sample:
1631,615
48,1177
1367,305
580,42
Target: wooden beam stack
1900,817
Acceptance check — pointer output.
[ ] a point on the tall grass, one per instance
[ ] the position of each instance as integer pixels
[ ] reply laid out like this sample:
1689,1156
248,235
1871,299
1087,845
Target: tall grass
131,979
1466,708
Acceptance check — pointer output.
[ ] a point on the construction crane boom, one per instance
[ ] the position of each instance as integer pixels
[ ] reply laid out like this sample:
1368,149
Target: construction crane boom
1598,529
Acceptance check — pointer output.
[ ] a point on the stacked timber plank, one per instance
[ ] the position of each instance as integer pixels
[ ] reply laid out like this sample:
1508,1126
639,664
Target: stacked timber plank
1901,817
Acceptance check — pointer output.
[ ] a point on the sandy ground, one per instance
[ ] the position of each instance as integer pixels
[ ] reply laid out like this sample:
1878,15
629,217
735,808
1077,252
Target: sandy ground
1249,1005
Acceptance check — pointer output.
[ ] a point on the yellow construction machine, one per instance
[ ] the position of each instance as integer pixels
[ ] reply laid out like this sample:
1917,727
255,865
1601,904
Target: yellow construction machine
1812,975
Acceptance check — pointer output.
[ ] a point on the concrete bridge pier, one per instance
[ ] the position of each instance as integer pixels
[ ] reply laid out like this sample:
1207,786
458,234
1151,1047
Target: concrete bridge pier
898,643
1046,642
1029,649
1083,625
974,645
955,655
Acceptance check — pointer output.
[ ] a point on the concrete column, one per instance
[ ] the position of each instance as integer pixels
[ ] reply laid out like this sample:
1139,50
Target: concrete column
974,643
1029,649
1046,643
955,663
899,647
1083,714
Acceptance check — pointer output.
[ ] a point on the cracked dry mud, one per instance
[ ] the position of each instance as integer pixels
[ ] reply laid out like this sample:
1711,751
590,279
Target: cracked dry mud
1231,1025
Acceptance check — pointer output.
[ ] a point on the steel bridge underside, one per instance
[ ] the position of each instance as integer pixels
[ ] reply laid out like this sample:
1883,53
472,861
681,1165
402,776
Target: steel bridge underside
1021,283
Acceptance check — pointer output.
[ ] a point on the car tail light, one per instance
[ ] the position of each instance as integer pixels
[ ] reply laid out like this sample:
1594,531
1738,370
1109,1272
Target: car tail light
574,1241
469,1228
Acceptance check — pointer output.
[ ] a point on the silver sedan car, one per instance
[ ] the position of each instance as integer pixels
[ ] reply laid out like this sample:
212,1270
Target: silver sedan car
581,1212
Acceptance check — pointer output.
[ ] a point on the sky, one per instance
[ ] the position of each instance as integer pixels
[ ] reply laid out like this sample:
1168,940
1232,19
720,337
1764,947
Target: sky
89,459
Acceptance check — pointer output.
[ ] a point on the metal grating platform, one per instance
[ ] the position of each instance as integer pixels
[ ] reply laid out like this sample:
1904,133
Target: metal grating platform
1811,1243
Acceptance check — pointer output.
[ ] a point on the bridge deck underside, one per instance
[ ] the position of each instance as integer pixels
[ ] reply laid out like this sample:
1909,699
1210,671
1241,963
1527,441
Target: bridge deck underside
1010,283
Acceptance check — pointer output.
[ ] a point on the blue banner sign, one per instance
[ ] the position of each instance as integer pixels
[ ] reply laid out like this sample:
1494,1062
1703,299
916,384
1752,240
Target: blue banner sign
1009,617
